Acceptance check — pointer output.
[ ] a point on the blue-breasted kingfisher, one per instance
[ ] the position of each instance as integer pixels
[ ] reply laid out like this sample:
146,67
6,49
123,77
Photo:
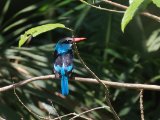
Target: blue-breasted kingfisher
63,64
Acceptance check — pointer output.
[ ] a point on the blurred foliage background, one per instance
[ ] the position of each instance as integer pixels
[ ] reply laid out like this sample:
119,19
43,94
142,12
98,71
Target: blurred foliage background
132,56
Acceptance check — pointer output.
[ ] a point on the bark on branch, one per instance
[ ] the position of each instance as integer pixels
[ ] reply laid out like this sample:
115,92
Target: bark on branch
147,14
86,80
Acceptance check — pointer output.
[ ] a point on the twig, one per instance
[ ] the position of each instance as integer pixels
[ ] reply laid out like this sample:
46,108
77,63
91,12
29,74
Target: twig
115,4
70,115
45,118
141,104
85,80
147,14
64,116
30,111
93,109
97,78
41,117
98,7
55,110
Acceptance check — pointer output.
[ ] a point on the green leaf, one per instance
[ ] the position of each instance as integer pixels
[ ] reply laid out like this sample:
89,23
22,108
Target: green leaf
33,32
155,78
135,7
153,43
157,2
5,9
1,39
124,111
130,1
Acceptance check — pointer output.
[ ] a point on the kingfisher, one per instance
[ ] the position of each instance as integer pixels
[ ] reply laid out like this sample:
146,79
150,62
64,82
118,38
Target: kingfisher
63,64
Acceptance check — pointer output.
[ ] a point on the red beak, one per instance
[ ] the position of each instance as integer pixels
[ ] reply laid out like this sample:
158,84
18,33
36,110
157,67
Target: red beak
78,39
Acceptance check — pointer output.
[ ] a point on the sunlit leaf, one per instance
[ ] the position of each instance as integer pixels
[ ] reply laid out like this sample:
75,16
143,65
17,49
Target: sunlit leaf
135,7
153,43
130,1
157,2
5,9
155,78
33,32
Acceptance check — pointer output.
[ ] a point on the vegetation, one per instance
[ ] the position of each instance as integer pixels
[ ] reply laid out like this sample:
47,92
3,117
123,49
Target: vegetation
131,56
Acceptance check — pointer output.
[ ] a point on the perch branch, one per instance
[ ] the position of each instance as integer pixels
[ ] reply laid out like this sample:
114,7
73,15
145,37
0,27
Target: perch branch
86,80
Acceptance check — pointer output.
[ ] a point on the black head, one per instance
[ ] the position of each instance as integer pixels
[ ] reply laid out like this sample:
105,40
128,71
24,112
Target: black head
70,40
66,40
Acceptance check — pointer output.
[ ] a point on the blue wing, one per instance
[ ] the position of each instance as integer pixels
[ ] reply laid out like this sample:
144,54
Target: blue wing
63,66
64,63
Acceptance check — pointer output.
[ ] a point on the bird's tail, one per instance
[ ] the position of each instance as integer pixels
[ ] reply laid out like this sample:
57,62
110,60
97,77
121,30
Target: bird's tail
64,85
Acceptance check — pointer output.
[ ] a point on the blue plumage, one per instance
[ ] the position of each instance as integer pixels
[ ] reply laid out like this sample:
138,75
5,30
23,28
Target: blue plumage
64,85
63,64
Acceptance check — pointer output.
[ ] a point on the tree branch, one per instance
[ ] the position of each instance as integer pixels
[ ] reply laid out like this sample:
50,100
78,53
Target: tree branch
147,14
98,7
86,80
21,83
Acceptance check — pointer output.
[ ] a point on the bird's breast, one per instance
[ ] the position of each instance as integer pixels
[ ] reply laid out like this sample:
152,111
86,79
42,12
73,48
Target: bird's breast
64,62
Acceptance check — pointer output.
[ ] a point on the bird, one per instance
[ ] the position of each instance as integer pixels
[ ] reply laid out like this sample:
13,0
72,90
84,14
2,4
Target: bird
63,63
